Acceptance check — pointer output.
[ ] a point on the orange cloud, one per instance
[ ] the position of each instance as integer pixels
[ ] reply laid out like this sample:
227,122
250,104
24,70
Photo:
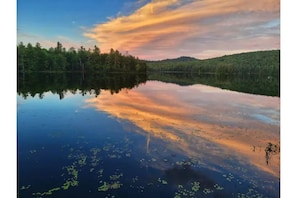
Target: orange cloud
173,25
180,117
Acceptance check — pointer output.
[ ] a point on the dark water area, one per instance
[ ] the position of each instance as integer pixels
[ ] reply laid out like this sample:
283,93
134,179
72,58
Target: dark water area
127,136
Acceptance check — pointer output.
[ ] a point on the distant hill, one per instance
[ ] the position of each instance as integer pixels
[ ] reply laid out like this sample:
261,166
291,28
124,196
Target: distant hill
179,59
258,62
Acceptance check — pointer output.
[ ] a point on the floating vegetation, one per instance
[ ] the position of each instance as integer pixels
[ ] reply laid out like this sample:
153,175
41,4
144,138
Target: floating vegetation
106,186
207,191
70,181
25,187
196,186
183,192
49,192
113,156
72,171
107,147
100,171
82,161
183,163
32,151
250,194
115,185
228,177
134,179
162,181
94,159
66,185
217,187
115,177
95,151
189,191
183,174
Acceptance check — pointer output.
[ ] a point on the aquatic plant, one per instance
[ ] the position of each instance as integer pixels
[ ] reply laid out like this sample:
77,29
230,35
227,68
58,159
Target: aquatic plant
106,186
49,192
115,177
196,186
25,187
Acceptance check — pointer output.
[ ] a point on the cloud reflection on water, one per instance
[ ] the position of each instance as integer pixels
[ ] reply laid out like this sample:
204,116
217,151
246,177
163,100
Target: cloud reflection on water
242,124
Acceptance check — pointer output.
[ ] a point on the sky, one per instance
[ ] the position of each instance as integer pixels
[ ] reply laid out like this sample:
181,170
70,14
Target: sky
153,29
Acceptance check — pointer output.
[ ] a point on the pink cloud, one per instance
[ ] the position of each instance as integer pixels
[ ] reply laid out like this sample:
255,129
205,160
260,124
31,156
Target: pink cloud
167,28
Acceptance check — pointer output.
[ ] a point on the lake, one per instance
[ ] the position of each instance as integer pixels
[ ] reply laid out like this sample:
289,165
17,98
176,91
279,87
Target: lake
137,137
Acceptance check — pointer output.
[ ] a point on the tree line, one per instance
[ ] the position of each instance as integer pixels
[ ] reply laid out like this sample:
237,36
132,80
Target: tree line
251,63
35,58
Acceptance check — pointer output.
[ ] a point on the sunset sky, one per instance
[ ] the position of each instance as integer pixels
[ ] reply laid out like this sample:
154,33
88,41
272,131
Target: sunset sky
153,29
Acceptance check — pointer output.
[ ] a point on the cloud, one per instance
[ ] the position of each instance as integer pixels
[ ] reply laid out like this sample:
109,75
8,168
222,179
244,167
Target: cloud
165,28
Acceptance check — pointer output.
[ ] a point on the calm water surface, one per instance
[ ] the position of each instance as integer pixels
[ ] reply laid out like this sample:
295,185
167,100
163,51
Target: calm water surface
155,140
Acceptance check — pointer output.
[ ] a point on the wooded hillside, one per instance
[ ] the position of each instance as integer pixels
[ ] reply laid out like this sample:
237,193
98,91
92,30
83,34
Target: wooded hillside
259,62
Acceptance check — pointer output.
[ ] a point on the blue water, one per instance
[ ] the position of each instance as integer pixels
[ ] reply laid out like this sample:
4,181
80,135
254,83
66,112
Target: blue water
67,142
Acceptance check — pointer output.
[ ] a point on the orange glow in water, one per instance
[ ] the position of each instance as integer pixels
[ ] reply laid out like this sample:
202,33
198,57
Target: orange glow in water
242,124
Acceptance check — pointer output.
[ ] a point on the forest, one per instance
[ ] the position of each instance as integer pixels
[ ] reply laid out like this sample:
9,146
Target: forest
266,63
35,58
